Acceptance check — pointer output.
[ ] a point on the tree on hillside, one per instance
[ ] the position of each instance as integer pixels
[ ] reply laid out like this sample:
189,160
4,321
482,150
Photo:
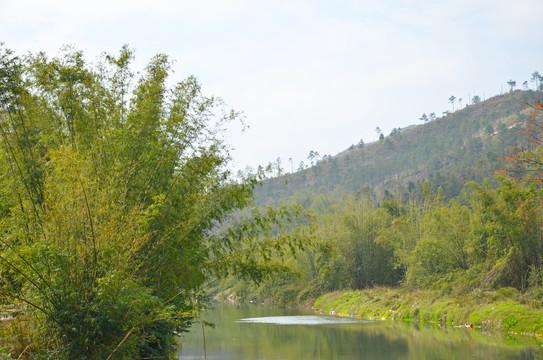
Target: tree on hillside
512,84
476,99
489,130
432,116
424,118
313,157
451,100
379,133
536,79
460,102
278,166
269,169
525,85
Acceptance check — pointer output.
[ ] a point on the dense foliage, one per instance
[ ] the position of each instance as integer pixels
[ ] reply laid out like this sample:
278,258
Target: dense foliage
114,207
487,237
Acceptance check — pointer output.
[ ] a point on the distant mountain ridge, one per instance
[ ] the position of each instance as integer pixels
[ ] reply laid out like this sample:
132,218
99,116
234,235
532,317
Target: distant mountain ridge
459,147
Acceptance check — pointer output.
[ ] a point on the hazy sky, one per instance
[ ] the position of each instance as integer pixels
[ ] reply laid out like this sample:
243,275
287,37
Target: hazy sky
309,75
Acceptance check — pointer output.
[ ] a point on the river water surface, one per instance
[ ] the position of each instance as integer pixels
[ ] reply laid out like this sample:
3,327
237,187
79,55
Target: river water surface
257,332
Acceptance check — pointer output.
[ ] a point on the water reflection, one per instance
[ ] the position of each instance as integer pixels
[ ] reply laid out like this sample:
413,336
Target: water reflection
301,320
250,332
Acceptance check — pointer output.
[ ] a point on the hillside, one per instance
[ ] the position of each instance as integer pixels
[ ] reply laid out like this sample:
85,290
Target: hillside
462,146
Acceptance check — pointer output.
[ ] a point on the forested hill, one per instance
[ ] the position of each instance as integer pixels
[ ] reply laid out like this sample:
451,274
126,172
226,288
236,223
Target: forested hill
448,152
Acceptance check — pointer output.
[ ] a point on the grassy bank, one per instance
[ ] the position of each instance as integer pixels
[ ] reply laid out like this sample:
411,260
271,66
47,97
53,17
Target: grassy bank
504,310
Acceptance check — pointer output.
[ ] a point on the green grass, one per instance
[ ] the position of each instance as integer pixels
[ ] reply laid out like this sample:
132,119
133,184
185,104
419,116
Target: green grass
504,310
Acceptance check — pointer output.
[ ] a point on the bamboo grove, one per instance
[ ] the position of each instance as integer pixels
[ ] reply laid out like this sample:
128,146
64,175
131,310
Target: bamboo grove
115,207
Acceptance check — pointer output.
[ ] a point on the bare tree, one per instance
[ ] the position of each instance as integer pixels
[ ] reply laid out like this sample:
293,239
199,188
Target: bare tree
536,79
278,166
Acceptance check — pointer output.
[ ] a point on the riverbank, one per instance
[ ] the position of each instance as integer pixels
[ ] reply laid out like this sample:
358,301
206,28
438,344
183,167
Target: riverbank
503,310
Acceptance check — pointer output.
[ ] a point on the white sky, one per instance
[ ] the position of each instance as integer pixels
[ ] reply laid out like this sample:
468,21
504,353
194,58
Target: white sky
309,74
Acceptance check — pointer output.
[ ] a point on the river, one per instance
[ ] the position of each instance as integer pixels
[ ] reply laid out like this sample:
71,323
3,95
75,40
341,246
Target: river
258,332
